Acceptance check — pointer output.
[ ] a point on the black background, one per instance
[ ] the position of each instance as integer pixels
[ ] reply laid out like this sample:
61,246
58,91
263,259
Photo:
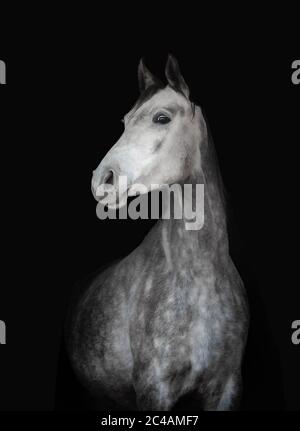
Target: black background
60,112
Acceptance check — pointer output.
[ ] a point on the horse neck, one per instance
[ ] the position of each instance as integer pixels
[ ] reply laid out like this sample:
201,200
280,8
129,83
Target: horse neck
211,240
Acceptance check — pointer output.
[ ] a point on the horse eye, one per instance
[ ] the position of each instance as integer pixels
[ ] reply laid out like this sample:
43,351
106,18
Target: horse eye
161,119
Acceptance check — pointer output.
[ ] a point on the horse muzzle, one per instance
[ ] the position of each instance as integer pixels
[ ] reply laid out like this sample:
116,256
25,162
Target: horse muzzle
109,188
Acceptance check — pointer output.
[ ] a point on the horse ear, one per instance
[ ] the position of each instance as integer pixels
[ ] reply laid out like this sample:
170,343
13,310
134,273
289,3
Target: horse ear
174,77
145,77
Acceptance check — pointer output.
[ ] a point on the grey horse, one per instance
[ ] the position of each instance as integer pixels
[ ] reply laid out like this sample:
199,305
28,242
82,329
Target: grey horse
171,318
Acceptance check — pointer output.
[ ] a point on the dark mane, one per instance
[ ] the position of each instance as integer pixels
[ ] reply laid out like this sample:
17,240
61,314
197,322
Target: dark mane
213,164
152,90
148,93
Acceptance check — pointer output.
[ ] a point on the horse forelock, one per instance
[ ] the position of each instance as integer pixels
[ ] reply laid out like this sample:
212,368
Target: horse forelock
154,89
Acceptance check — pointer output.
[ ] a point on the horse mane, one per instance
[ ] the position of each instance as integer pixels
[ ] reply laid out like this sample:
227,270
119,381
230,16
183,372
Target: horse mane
214,166
148,93
155,88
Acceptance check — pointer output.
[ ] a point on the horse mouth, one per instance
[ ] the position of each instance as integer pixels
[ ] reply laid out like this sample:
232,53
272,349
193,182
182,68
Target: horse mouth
112,199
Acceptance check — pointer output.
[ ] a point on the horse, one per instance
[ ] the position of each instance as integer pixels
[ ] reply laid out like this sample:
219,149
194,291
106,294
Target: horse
171,318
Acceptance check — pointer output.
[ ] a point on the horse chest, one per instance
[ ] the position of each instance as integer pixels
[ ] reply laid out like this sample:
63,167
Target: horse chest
171,325
177,318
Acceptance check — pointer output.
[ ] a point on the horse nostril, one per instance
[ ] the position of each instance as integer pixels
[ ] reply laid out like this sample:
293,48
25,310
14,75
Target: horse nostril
109,179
